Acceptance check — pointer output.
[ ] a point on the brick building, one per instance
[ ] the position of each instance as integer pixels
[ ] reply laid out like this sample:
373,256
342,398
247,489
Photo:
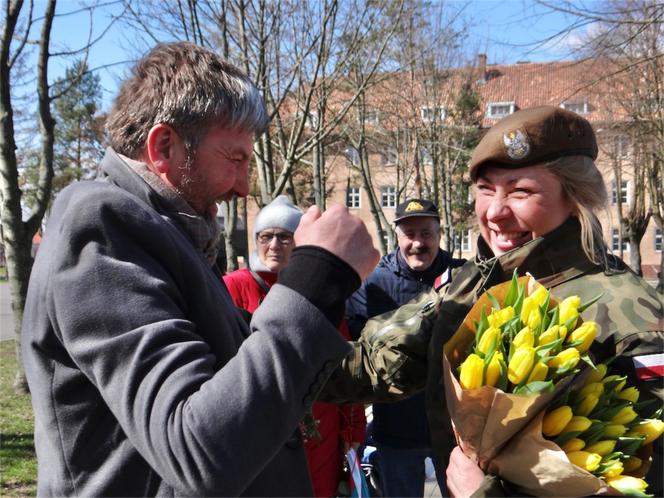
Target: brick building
502,89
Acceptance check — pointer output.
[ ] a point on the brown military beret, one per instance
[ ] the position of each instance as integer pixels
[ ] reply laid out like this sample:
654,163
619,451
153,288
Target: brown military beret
533,136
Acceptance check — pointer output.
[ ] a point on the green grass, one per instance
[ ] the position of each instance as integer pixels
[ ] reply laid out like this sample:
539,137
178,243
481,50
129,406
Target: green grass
18,463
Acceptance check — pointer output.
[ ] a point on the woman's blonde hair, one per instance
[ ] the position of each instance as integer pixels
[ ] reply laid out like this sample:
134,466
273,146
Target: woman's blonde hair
584,186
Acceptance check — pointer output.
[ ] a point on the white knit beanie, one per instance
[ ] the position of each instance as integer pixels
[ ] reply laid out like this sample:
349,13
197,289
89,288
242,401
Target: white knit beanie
280,213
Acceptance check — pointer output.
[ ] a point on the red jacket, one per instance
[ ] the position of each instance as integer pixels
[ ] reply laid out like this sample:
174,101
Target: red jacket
337,424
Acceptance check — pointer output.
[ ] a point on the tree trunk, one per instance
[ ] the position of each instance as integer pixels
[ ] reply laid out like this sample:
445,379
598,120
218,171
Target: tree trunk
230,225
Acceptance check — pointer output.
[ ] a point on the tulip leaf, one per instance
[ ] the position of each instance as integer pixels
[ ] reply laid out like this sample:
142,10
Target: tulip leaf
585,306
502,380
629,445
588,360
512,292
518,303
638,407
494,302
542,351
537,387
610,411
549,319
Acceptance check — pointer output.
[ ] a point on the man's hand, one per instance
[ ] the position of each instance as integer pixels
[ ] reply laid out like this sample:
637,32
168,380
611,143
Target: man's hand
463,475
341,233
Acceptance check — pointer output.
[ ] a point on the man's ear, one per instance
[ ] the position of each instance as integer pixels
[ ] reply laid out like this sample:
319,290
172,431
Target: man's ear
164,149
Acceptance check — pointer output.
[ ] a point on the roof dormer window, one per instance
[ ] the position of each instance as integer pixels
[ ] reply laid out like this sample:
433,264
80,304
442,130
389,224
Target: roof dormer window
496,110
579,107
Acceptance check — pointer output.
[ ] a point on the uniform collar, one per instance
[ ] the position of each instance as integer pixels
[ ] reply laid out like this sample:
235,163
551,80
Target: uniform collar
552,259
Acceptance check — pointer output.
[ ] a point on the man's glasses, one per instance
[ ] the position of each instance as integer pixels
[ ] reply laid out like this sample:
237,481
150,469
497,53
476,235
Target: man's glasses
284,238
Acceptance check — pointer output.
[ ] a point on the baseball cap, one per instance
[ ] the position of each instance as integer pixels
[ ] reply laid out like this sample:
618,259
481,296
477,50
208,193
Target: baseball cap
415,207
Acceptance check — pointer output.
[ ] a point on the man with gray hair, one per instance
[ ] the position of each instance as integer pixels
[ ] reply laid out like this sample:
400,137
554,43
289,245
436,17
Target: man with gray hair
145,379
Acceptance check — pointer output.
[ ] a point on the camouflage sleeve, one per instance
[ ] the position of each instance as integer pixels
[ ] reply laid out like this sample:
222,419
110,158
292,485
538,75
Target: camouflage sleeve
389,362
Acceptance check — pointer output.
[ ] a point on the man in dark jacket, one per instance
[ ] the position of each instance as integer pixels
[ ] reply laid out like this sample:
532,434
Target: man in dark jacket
145,379
400,430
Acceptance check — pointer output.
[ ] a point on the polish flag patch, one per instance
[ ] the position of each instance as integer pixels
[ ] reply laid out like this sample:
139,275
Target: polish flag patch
650,366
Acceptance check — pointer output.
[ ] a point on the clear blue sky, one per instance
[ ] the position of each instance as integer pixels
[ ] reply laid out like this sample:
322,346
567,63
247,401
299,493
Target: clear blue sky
506,30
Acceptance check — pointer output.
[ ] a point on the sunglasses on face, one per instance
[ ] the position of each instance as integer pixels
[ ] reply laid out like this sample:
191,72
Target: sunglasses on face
284,238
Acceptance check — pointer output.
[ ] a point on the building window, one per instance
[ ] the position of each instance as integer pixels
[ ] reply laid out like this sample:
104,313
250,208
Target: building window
388,197
353,197
577,107
462,240
658,239
391,156
624,192
500,109
371,117
425,156
621,146
353,155
312,120
431,114
615,241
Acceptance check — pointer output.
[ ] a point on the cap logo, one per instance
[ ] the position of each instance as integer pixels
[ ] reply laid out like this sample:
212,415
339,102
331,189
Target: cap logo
516,144
414,206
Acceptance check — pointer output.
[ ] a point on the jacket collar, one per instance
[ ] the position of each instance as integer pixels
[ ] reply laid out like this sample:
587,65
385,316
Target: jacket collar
552,259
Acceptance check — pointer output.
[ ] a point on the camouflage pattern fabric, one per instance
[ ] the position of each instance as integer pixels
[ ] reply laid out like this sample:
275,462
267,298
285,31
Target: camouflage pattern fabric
630,315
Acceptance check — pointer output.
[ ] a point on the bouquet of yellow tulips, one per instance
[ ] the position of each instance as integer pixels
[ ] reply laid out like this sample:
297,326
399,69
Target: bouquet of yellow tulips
590,439
599,429
522,346
516,347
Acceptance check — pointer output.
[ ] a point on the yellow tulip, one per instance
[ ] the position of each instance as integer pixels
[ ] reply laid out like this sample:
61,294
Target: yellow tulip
553,334
530,313
566,359
629,394
525,337
603,448
610,378
577,424
586,333
521,364
597,374
585,460
614,469
574,444
540,371
499,317
627,484
568,309
489,339
632,463
556,420
596,388
587,404
493,370
624,416
471,372
614,431
651,428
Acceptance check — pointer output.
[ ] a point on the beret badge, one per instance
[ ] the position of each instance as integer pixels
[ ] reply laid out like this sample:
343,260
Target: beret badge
414,206
516,144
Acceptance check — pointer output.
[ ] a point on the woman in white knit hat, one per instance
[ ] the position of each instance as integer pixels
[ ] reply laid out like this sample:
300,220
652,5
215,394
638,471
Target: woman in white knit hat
337,426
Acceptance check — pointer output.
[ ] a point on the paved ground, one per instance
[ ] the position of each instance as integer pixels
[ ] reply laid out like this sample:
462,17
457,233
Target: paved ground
6,320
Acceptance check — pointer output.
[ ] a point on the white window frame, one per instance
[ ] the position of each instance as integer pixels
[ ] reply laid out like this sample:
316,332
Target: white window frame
621,145
311,121
463,239
615,241
391,156
372,116
388,196
429,114
352,154
573,106
354,197
425,156
490,106
657,240
625,192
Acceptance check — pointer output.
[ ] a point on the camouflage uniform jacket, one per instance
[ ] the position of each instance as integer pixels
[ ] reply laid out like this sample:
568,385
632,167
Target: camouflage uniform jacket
629,314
